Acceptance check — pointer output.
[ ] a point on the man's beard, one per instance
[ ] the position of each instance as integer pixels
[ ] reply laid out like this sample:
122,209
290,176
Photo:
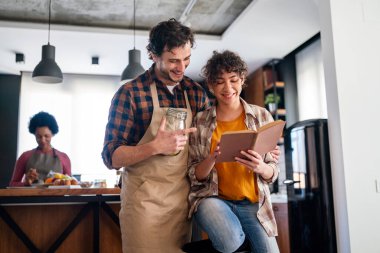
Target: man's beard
166,75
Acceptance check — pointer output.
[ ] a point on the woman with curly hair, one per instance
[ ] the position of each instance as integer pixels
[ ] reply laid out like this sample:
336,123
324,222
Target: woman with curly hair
34,165
231,201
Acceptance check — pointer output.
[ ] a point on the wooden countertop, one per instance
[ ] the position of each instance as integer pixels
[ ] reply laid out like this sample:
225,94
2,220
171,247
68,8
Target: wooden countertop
57,192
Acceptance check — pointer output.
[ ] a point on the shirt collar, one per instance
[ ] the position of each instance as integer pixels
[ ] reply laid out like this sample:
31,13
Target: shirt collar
248,110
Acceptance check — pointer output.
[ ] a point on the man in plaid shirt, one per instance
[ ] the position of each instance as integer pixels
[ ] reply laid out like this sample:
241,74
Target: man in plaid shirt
153,215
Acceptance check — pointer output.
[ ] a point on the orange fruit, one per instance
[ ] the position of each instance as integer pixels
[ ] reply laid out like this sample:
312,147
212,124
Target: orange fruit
49,180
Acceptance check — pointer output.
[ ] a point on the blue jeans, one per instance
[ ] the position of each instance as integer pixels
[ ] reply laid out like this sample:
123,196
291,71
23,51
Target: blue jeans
227,223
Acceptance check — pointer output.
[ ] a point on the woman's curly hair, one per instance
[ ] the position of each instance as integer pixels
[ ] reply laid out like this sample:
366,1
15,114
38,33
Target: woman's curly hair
43,119
226,61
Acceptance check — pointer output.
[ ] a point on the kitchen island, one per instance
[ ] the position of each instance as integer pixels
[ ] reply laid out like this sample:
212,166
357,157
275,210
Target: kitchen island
59,220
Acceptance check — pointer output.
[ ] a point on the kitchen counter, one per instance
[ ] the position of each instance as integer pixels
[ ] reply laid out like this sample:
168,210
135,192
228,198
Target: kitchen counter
279,198
60,220
64,220
26,191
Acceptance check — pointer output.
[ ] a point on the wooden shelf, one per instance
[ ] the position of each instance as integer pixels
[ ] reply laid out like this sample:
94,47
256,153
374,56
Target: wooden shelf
260,84
278,85
280,112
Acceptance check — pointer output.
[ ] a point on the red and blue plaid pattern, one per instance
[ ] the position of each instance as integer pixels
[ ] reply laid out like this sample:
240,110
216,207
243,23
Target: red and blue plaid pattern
131,109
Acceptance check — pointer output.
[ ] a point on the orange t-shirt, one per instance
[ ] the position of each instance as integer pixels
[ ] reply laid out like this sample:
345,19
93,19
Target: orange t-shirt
234,180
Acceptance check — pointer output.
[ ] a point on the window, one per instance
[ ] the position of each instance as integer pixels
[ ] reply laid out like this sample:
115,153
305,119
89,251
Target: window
80,105
311,82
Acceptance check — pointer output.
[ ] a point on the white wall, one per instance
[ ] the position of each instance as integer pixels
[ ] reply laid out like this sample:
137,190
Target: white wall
80,105
350,32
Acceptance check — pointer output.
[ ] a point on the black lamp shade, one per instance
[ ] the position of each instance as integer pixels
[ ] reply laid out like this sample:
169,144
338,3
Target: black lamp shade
47,71
134,67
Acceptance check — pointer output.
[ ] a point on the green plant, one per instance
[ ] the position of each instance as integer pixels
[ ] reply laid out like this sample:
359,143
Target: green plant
272,99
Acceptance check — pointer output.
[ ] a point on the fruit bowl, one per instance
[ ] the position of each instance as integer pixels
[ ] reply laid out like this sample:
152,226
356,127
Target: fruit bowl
86,184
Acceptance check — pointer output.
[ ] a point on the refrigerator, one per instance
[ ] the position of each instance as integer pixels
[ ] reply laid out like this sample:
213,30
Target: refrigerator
309,187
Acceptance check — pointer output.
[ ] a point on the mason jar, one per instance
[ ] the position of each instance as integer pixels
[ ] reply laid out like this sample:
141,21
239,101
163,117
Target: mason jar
175,120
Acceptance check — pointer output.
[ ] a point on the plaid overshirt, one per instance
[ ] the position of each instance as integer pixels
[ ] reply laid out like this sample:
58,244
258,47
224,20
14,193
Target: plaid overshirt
199,149
131,109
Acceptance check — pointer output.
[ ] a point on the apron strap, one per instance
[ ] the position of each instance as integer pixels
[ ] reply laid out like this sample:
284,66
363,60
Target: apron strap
187,101
153,91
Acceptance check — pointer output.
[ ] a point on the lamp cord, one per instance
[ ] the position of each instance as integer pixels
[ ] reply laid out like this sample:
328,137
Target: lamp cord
49,22
134,24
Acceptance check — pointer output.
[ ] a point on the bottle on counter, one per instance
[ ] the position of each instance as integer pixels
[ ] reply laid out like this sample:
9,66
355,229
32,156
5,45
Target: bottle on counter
100,183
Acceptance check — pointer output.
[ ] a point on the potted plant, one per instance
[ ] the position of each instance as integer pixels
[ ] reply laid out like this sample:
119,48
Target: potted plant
272,100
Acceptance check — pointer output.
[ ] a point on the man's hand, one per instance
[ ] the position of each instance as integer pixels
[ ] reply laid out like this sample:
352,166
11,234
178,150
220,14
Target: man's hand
171,142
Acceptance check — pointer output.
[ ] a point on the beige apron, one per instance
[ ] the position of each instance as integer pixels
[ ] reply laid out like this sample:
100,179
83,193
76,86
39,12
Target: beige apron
44,163
154,207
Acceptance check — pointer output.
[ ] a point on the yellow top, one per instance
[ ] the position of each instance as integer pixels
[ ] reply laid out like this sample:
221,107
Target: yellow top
234,180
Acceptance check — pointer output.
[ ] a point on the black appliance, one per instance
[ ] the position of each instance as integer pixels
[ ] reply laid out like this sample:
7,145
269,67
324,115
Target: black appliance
309,187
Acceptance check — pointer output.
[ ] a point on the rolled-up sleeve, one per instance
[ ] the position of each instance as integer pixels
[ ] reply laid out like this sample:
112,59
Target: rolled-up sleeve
268,159
196,155
199,149
120,123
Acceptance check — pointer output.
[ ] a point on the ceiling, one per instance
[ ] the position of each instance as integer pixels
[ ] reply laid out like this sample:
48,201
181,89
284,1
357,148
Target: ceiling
258,30
205,16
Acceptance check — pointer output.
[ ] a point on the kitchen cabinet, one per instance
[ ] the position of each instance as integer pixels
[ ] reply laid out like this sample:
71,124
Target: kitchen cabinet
60,220
253,93
281,214
263,83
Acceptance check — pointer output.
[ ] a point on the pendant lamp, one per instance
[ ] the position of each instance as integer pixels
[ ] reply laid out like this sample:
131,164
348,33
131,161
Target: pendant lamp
47,71
134,67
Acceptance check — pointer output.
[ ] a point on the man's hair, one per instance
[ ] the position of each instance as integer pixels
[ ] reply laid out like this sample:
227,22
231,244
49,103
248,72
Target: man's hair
169,34
226,61
43,119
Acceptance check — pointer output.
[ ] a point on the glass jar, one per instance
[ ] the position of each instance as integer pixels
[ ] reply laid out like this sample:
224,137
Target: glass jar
100,183
175,120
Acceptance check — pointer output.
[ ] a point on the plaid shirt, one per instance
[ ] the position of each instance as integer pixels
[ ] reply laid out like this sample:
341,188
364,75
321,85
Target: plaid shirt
132,107
199,149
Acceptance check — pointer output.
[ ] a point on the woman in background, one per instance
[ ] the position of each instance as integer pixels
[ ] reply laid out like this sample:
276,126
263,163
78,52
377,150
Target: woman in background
34,165
231,201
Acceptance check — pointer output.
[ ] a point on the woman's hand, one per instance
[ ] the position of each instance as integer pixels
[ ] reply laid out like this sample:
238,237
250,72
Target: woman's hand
276,153
254,162
204,168
31,176
216,152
